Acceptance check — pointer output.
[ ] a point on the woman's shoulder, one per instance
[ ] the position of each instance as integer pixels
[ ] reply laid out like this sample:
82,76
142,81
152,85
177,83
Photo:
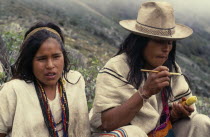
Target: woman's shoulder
74,76
13,83
14,86
74,73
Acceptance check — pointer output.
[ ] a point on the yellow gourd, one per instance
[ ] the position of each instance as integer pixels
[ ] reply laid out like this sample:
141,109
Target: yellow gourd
190,101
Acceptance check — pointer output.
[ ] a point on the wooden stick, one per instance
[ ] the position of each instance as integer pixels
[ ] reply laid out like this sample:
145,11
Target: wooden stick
171,73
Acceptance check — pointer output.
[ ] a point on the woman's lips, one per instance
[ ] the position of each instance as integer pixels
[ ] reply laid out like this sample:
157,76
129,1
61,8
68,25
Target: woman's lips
50,75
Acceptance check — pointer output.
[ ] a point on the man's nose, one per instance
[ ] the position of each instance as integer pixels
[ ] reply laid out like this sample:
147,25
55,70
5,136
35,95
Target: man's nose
166,47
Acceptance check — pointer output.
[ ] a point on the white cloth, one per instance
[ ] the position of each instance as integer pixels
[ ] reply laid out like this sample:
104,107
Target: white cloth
21,114
55,108
197,126
112,91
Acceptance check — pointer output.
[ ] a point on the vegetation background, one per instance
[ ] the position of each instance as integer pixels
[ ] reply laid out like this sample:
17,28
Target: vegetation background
93,35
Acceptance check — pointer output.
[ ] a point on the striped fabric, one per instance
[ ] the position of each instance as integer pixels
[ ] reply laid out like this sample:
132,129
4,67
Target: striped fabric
178,97
115,133
114,74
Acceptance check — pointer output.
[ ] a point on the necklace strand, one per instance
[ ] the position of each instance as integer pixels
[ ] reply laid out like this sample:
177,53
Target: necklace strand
48,117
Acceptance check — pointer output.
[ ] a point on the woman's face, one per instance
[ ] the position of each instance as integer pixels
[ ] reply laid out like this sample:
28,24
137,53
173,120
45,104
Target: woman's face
156,53
48,62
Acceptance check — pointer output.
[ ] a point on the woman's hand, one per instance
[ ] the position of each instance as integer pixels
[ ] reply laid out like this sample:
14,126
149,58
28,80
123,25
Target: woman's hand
156,81
180,111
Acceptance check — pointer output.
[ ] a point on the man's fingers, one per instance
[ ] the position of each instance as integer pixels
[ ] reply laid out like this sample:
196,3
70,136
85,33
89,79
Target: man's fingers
184,99
181,110
161,68
163,84
163,79
189,108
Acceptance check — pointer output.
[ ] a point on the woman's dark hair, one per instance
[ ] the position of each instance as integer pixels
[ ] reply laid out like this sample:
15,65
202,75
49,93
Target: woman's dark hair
134,46
22,68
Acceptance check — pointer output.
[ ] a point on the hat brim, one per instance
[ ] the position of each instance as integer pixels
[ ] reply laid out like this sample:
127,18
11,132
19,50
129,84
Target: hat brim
181,31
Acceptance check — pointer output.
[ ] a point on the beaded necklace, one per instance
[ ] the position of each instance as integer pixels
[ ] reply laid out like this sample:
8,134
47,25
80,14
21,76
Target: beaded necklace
46,111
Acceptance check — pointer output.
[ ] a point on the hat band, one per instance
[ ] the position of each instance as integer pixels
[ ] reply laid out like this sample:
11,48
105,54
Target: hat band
155,31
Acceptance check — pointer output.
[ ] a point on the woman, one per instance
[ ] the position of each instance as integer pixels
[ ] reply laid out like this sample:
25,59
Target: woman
44,98
131,102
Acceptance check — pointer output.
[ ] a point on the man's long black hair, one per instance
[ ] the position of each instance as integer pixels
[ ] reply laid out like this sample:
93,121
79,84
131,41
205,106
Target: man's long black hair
133,46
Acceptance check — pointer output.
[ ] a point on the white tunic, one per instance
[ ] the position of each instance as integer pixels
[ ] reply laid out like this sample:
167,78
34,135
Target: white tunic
21,114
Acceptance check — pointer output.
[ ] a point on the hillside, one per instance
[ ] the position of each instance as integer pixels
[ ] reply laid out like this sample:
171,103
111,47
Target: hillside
93,34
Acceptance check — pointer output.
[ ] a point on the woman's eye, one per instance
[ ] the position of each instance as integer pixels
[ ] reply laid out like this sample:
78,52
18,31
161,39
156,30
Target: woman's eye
57,56
40,59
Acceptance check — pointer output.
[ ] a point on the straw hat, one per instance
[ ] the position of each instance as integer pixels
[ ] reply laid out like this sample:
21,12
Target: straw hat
156,20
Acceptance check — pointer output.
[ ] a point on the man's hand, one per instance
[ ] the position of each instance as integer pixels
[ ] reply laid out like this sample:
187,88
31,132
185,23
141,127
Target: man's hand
180,111
156,81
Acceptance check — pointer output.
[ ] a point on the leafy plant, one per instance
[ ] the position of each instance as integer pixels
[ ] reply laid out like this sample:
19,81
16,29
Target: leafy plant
90,73
2,77
203,105
12,40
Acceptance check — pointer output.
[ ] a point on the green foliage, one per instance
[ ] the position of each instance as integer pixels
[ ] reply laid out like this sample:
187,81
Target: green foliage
2,77
90,73
203,105
13,41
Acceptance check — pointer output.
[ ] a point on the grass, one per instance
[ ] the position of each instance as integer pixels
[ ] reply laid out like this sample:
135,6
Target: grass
203,105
